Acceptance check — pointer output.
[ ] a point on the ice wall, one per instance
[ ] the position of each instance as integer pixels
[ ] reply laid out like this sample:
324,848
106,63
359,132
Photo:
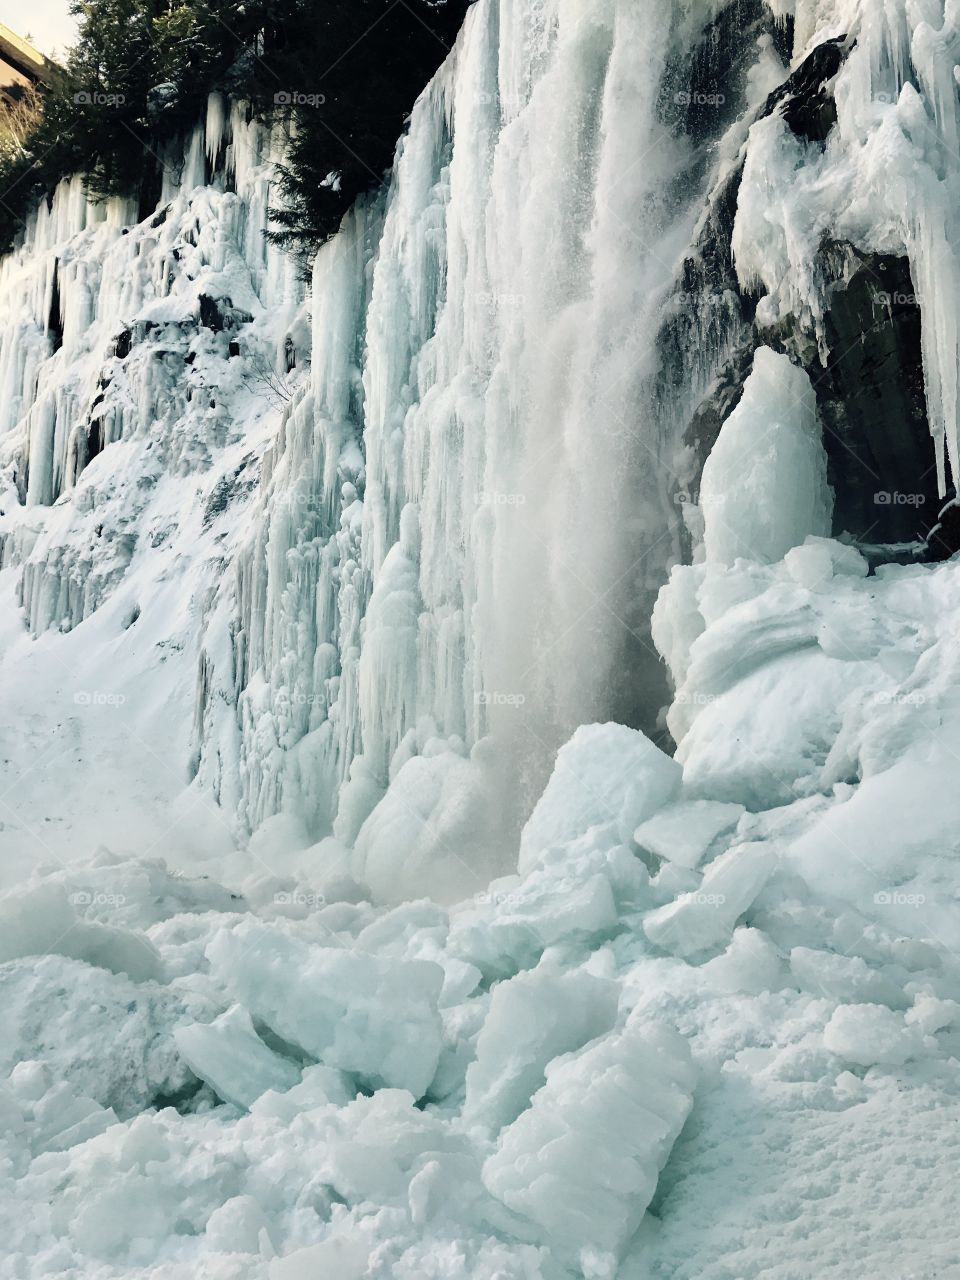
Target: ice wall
421,508
467,514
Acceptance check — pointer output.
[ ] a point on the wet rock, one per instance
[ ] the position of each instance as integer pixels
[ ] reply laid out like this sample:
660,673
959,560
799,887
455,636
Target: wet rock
871,400
805,99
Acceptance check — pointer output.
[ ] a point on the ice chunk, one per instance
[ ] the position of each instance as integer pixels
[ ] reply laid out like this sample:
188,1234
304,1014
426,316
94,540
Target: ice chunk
236,1225
320,1087
42,920
751,964
815,564
764,485
338,1256
847,978
683,832
434,832
63,1118
376,1019
605,773
229,1055
574,895
533,1018
583,1161
704,918
931,1014
870,1035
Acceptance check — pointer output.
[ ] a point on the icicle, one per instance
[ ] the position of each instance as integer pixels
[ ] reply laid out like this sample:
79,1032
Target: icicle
216,127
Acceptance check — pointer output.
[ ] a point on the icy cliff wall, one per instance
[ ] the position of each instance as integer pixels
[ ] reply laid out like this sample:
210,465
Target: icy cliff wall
411,520
469,509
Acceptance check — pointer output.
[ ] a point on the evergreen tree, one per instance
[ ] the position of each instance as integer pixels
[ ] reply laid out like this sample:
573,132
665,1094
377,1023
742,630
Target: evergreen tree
345,73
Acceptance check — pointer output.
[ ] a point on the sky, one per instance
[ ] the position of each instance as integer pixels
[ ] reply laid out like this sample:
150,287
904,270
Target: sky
47,22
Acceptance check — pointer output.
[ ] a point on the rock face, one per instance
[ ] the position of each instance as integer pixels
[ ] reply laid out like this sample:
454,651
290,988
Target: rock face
805,99
865,362
871,399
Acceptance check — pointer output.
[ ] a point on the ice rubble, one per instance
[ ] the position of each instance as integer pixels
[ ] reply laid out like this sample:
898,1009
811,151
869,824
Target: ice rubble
502,1088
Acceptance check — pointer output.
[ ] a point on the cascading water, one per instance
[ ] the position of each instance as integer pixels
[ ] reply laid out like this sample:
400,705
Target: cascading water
483,383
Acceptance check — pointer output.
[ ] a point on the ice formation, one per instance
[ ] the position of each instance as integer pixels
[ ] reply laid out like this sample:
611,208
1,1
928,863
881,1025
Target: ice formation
349,924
